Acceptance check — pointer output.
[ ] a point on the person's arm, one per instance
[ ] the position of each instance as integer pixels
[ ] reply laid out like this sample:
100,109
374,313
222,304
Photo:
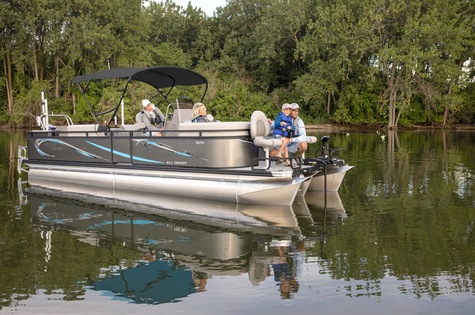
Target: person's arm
272,125
160,114
300,127
146,121
278,122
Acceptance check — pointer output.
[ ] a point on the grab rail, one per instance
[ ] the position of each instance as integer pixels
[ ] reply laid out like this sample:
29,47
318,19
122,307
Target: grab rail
22,155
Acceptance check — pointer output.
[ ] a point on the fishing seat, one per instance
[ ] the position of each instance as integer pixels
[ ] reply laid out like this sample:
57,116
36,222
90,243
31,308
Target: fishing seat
260,133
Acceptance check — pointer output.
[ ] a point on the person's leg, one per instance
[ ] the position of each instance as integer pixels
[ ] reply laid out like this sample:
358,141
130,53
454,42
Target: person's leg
279,154
286,156
282,147
301,149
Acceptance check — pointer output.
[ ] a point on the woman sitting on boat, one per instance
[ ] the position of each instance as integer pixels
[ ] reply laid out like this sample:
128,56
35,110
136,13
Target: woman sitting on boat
199,114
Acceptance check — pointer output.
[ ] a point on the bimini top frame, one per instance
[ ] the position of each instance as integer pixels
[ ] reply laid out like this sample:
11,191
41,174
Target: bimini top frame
159,77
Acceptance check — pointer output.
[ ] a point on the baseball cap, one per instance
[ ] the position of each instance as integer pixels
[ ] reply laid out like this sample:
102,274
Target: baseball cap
146,102
286,105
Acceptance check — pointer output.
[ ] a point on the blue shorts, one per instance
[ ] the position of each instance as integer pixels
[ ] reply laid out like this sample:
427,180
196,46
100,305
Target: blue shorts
292,147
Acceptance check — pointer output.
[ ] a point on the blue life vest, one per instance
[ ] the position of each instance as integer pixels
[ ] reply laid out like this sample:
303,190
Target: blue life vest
282,130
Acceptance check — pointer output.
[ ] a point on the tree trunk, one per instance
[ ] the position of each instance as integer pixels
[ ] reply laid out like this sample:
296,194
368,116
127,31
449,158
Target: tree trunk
56,92
392,88
74,103
392,108
328,102
7,65
446,117
35,61
446,111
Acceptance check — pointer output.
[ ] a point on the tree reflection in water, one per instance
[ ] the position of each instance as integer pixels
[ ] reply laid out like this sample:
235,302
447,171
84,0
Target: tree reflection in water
402,225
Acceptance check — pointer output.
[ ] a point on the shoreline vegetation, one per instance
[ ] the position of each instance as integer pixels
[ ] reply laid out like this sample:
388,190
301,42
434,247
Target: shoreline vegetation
335,127
348,64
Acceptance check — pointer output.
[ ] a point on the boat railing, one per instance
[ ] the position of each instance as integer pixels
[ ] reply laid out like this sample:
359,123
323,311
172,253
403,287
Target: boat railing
218,129
41,121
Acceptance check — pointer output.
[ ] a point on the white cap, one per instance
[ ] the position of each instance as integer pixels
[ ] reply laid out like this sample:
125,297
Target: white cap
295,106
286,105
146,102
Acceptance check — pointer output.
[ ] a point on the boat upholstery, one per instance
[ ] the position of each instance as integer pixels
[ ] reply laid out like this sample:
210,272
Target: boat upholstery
80,130
215,129
311,139
136,126
260,130
260,133
181,114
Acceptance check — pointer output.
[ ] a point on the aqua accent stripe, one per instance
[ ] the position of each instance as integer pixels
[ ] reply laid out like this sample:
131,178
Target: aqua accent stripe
122,154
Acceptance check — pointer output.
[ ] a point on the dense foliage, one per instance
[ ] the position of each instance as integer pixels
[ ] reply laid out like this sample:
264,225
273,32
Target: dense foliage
383,62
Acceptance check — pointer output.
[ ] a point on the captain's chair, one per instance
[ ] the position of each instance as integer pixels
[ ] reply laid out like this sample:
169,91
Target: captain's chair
260,133
260,130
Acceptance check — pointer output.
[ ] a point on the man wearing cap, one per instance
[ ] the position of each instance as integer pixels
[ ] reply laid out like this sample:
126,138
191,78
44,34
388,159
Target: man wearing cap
151,116
297,144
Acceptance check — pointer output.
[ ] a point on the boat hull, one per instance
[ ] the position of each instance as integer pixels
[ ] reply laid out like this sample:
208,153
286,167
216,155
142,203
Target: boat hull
110,182
330,181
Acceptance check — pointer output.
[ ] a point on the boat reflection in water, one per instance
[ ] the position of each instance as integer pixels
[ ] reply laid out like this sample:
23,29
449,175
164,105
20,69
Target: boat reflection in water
181,249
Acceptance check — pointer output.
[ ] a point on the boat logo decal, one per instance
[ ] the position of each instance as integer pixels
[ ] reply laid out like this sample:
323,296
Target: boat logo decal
41,141
162,146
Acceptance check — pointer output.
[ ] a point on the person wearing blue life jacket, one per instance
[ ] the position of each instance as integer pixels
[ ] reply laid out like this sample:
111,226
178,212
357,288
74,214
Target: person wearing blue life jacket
283,130
298,142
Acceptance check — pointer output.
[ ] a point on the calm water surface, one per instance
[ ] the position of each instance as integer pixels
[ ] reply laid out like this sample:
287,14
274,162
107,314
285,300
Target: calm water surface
397,239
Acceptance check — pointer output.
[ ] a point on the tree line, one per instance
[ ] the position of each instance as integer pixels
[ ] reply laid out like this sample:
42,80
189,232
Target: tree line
383,62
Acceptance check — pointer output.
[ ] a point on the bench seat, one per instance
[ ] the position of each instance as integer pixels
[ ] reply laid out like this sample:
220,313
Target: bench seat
215,129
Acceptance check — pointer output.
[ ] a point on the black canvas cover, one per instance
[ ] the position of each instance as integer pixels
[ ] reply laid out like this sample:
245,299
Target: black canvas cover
159,77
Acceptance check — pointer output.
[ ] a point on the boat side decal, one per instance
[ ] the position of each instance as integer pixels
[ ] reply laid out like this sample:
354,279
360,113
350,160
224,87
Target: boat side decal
40,141
146,143
122,154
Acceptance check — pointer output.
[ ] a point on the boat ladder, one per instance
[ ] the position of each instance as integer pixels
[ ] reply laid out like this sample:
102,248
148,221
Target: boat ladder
22,155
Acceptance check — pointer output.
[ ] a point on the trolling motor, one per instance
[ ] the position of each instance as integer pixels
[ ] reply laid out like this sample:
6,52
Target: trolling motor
325,155
325,147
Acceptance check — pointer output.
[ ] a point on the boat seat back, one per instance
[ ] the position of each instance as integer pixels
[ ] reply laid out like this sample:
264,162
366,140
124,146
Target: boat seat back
182,113
260,126
139,118
215,129
260,130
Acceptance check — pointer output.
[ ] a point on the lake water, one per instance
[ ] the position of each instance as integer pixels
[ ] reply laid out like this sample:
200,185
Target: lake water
398,238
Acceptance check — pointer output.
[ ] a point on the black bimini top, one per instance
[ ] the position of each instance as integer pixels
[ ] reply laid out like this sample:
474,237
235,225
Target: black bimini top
158,77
